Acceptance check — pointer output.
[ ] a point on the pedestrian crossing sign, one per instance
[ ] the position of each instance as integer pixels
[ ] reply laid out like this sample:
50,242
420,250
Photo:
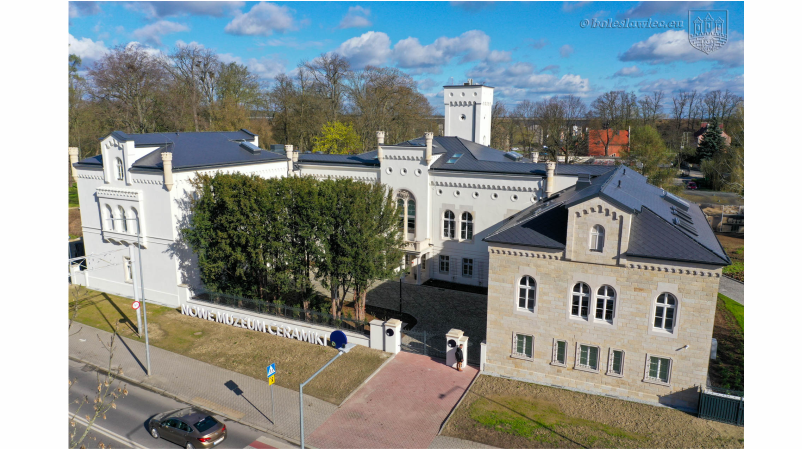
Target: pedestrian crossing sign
271,370
271,380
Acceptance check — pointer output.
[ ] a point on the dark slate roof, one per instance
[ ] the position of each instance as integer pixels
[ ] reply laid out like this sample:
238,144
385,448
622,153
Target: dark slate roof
193,150
368,159
653,233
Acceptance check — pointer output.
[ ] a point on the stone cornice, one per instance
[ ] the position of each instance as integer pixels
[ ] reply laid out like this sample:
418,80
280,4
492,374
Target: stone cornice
157,182
87,176
117,193
527,254
403,158
469,185
356,178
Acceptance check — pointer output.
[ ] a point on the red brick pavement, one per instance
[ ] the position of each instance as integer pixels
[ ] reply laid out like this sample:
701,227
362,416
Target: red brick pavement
402,406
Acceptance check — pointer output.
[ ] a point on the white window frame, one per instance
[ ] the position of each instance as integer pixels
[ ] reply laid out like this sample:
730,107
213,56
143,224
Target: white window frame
597,238
467,263
128,270
447,261
529,288
514,351
605,305
610,356
554,360
466,224
587,296
120,169
658,381
577,360
666,307
123,220
449,225
110,218
135,216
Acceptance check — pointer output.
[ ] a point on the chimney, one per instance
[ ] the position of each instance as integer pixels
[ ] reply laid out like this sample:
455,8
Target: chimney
295,156
582,181
533,156
73,160
291,156
550,166
429,137
167,161
380,140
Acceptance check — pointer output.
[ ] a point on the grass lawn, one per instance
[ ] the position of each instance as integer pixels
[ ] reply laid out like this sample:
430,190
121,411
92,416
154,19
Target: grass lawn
512,414
734,246
241,350
727,371
73,196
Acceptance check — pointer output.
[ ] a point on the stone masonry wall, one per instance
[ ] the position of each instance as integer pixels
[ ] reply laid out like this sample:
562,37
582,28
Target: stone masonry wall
637,284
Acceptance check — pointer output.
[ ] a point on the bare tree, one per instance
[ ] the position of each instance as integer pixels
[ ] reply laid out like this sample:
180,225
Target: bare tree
128,81
651,107
500,137
531,132
613,111
196,69
329,72
559,118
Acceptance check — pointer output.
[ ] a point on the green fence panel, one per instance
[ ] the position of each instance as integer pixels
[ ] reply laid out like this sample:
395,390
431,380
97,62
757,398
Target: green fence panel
721,407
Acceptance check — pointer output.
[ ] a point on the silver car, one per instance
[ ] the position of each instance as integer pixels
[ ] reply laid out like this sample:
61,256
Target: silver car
188,427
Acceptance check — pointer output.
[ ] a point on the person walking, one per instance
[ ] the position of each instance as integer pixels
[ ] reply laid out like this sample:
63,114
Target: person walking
460,357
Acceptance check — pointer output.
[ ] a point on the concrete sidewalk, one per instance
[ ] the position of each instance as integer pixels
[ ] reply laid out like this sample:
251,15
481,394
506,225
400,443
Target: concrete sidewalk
233,395
731,289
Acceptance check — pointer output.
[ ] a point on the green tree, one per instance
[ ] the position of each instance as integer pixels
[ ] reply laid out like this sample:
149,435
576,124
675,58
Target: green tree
648,154
333,265
337,138
712,141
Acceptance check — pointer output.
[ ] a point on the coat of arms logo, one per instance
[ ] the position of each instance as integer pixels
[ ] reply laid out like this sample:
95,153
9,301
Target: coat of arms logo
707,30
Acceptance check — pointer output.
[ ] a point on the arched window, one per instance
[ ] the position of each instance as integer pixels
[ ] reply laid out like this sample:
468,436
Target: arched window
135,216
123,220
526,293
109,218
120,169
411,216
605,303
449,225
580,300
597,238
466,224
665,312
401,213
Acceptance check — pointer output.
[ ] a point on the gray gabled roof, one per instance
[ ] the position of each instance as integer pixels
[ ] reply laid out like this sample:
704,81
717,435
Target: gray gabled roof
661,227
367,159
193,150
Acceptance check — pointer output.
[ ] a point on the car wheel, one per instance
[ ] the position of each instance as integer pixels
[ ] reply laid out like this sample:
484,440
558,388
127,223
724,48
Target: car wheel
154,433
190,446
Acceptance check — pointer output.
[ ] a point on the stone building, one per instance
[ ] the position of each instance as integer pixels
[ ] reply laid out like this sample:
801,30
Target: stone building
608,286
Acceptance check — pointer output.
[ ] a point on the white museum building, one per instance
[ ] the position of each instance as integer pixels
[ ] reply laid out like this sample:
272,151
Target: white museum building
454,191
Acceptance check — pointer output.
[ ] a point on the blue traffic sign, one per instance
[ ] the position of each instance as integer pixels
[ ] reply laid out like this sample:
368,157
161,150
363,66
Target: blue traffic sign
271,370
338,339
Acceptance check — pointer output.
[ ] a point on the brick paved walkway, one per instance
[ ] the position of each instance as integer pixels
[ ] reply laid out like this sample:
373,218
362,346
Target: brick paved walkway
402,406
204,385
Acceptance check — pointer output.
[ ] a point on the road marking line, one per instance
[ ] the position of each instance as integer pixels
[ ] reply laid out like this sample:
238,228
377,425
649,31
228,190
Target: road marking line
108,433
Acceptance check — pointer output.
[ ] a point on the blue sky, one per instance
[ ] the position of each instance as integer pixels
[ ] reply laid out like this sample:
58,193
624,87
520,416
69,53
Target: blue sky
529,50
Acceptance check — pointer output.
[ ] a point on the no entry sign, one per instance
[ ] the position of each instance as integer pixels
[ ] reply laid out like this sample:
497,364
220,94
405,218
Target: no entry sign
135,305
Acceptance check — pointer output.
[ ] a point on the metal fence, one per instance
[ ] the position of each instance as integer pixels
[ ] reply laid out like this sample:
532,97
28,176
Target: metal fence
719,404
421,342
285,311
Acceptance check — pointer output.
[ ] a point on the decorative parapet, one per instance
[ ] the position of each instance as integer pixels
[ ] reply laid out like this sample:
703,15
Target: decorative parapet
355,178
468,185
416,246
403,158
117,193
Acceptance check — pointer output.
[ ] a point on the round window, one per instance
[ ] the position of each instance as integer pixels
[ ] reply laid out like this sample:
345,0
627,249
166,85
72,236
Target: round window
476,194
494,196
463,94
389,170
418,172
451,94
475,94
463,117
456,193
403,171
533,199
514,197
439,191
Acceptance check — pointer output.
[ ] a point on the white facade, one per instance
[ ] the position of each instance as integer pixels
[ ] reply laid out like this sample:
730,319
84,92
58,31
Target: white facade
467,112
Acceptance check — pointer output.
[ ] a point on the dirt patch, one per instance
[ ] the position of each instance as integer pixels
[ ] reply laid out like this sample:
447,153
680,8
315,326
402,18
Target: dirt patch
727,371
241,350
512,414
75,223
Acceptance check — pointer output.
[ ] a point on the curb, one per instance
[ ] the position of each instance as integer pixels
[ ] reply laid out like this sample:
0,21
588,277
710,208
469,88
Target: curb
451,413
732,279
365,381
166,393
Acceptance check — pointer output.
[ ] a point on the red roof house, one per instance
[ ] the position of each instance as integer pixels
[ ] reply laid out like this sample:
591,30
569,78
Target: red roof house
615,142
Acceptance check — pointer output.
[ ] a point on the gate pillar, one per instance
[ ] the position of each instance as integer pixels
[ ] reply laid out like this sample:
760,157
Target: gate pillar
392,336
377,334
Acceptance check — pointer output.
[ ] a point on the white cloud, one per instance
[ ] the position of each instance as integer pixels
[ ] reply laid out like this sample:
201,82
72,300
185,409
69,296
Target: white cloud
371,48
673,45
550,68
154,52
87,49
262,20
472,45
83,9
427,84
573,6
520,80
267,68
152,34
566,51
196,8
633,71
537,44
357,17
496,56
292,42
649,9
705,82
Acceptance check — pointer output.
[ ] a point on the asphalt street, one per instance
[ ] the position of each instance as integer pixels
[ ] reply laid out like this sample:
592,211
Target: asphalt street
126,426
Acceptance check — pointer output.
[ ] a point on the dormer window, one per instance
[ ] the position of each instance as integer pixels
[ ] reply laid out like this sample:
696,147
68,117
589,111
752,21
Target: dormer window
597,238
120,169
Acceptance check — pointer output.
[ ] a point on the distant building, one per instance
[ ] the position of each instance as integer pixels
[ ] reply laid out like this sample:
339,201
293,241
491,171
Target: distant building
614,141
699,135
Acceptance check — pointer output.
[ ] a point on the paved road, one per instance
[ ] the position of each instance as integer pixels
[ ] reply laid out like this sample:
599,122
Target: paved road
126,426
731,289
